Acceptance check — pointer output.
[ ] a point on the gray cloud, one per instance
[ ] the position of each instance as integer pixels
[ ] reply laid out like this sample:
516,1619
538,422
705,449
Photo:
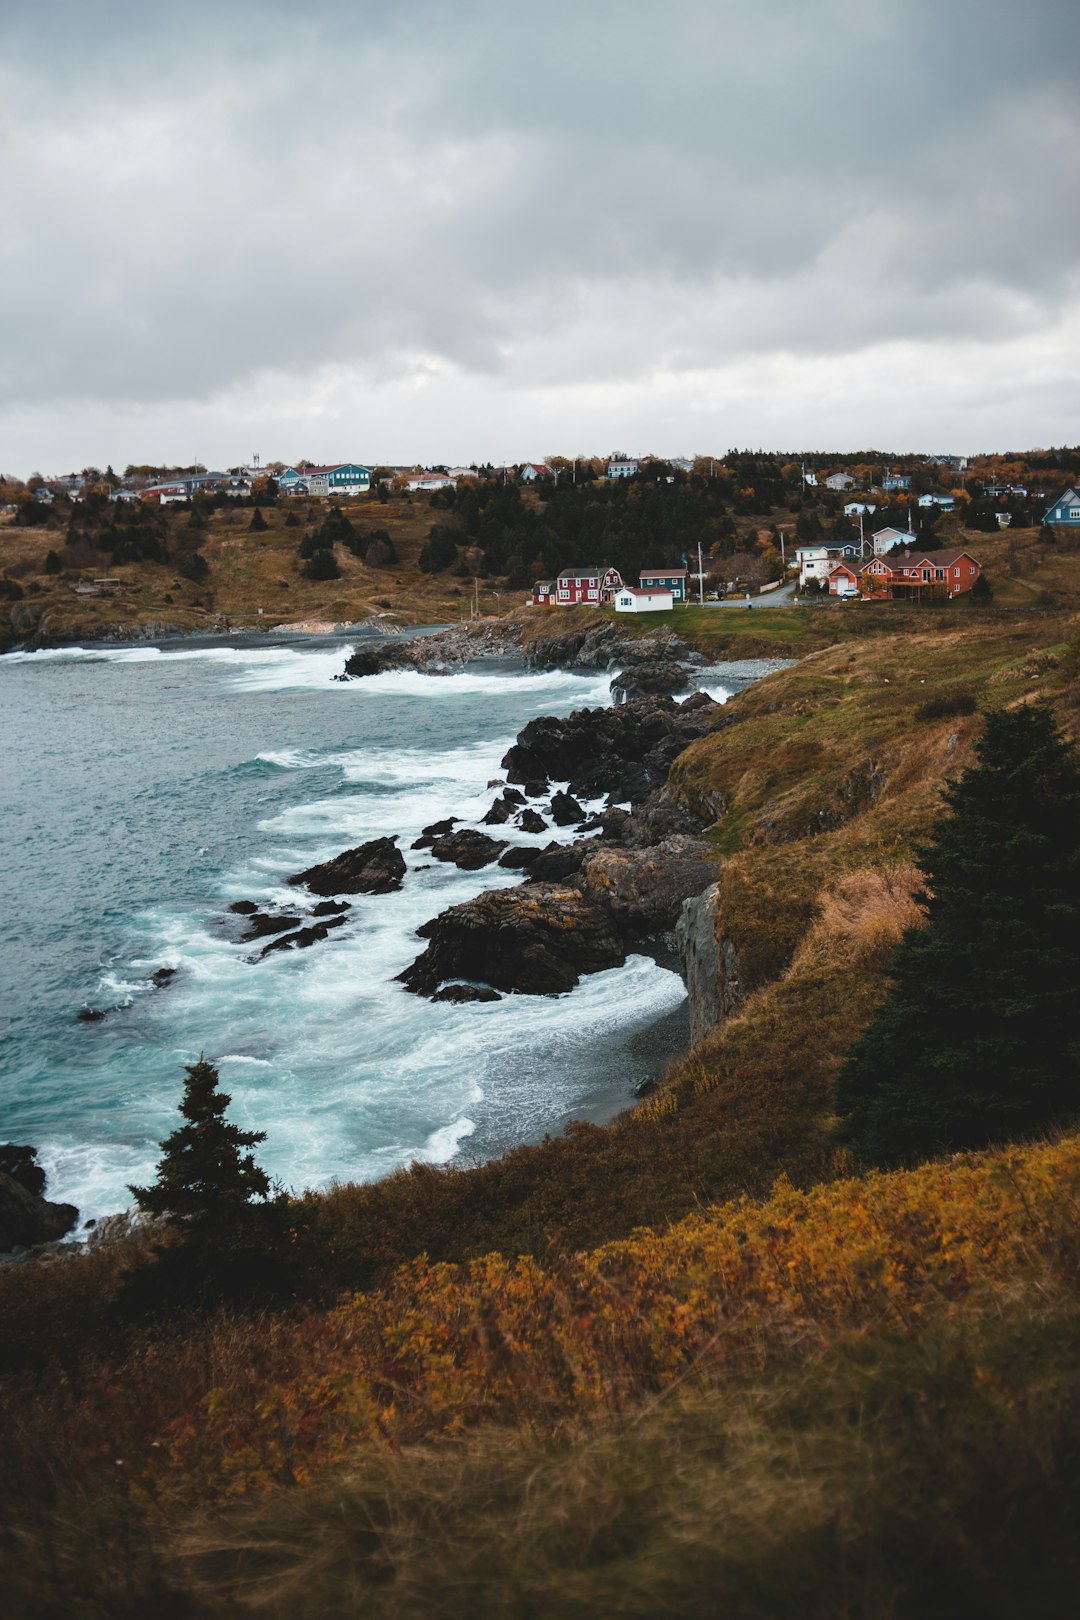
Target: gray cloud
560,198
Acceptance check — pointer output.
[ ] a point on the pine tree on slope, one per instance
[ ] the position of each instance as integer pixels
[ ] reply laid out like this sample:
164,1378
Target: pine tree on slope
979,1037
203,1172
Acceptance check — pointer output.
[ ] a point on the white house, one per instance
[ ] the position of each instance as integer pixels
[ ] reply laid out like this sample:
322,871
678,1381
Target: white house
813,562
622,469
654,599
853,508
429,481
885,539
532,470
840,480
944,502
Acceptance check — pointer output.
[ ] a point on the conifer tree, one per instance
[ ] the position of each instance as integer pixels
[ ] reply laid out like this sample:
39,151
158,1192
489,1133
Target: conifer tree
203,1172
979,1037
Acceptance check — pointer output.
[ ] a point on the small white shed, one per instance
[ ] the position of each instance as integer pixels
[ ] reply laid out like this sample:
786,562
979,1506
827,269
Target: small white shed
644,599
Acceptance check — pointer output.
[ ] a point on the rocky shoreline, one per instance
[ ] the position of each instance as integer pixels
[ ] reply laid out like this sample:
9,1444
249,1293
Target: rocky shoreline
657,664
622,879
628,876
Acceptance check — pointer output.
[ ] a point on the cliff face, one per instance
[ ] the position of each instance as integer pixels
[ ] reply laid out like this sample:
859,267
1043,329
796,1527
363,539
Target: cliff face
27,1218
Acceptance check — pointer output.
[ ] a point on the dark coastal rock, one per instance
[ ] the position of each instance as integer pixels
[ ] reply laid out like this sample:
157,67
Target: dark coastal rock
662,679
244,908
330,908
538,938
531,821
467,849
428,835
565,810
466,992
500,812
518,857
625,752
512,796
20,1163
302,938
374,868
644,889
375,657
436,654
264,924
91,1015
162,976
536,788
27,1218
555,862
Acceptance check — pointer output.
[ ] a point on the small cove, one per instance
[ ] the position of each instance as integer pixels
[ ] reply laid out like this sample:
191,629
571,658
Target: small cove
148,787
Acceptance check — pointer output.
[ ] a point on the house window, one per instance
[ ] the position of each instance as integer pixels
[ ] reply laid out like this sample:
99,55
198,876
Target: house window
956,573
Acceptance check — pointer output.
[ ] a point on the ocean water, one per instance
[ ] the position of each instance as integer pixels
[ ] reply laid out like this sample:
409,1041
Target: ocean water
146,788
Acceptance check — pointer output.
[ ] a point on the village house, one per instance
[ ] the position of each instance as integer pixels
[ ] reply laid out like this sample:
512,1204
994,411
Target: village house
654,599
944,503
896,481
429,481
671,579
622,469
839,480
532,470
813,563
1065,510
918,574
575,586
883,540
853,508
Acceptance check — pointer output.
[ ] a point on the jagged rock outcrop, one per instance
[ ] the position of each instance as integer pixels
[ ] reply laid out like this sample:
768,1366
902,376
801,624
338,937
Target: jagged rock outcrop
565,810
437,654
662,679
27,1218
531,821
539,938
710,964
262,924
374,868
644,889
467,849
699,957
302,937
436,829
605,645
625,752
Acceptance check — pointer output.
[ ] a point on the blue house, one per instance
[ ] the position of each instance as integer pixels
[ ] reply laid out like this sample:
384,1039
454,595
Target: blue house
341,478
666,579
1066,509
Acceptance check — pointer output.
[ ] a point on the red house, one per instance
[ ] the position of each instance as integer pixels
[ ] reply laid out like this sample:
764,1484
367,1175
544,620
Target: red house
934,573
918,575
576,586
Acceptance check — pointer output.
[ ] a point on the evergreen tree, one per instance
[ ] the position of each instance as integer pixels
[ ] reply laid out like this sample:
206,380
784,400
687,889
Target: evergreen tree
258,524
980,1035
204,1172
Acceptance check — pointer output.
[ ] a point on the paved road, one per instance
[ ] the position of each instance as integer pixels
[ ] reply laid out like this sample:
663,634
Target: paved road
783,596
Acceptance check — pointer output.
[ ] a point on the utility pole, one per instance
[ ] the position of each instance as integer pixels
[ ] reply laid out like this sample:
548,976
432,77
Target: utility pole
700,577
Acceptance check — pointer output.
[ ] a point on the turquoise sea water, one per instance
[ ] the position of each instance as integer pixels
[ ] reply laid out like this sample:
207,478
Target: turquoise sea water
144,789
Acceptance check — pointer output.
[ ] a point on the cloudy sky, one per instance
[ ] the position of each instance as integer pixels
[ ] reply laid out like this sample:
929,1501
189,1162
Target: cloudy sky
391,230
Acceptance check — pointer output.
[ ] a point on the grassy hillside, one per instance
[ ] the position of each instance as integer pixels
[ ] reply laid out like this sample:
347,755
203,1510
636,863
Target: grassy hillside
868,1391
247,572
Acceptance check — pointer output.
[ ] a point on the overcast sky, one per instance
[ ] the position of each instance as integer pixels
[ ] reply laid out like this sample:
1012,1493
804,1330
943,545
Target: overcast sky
390,230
